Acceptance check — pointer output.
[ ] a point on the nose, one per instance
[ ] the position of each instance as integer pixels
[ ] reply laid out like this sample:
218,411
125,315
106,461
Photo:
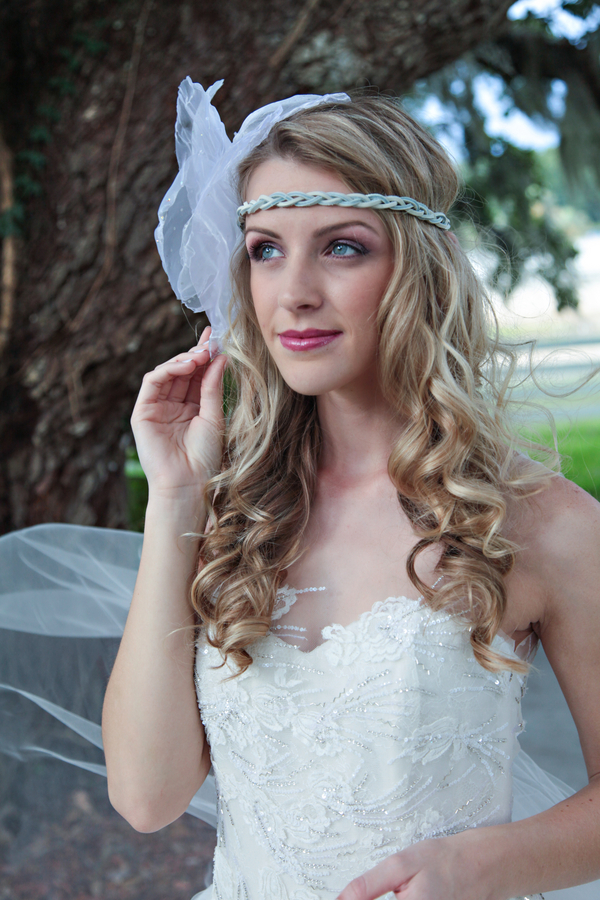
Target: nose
300,286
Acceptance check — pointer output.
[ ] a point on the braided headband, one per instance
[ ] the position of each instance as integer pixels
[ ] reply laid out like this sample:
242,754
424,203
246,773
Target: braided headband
355,201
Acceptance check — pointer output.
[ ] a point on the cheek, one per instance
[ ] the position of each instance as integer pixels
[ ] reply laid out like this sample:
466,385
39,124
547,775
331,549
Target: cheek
263,320
365,306
260,294
257,300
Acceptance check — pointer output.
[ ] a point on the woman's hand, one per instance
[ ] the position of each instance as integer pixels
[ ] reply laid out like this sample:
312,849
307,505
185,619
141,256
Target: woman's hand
178,420
449,868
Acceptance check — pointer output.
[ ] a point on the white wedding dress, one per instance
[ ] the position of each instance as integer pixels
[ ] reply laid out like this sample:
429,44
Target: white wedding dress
325,762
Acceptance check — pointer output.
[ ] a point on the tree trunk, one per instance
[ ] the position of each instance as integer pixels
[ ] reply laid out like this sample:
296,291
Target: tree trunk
89,308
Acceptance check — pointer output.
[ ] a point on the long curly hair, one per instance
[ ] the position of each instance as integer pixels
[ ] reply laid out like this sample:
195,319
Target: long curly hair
441,367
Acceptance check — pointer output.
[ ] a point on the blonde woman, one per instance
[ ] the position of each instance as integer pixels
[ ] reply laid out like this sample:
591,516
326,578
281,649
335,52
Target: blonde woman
341,585
373,561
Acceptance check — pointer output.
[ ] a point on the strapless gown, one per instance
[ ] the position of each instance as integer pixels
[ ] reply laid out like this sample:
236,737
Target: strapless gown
326,762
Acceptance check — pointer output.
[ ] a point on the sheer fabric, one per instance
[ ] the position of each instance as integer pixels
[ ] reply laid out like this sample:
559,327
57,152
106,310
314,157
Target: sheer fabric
385,733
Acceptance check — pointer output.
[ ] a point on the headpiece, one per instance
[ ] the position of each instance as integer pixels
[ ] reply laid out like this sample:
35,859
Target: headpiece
197,235
197,231
335,198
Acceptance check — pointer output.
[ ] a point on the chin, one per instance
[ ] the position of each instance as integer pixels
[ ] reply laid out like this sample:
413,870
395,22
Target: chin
310,387
306,390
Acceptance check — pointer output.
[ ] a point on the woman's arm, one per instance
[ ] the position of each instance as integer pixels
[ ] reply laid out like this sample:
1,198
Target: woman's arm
558,848
156,753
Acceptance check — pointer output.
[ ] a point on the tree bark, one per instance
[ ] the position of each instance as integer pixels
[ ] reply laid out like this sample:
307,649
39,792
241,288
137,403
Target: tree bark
92,309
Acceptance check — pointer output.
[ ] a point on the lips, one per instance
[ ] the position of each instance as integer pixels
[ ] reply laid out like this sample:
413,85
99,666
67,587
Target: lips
307,340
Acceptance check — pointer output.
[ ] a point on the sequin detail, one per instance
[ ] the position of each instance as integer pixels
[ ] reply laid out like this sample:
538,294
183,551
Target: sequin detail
326,762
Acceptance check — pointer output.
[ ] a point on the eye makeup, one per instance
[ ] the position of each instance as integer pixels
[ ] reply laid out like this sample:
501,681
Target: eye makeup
263,251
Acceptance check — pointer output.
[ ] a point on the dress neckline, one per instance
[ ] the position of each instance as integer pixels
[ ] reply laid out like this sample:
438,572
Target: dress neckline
336,628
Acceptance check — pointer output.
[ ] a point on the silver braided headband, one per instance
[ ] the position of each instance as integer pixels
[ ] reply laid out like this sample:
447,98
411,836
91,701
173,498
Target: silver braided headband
356,201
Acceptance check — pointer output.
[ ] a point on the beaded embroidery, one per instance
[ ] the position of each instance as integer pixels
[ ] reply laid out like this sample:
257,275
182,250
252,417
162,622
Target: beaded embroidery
327,762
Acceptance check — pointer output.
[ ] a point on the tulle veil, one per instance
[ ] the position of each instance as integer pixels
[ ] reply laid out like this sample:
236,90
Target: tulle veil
64,595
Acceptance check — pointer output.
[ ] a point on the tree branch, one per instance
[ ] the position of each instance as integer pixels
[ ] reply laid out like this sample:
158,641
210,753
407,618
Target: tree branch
110,233
287,45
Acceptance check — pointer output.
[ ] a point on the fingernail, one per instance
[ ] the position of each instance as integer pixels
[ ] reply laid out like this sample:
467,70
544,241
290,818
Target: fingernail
200,348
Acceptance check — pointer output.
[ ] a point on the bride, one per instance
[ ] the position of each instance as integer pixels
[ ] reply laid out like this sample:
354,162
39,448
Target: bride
356,740
342,583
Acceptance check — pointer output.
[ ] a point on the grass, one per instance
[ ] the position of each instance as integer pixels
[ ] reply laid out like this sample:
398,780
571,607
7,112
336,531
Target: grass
579,445
137,491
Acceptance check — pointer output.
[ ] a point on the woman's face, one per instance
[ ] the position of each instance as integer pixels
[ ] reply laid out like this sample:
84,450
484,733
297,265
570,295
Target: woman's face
317,275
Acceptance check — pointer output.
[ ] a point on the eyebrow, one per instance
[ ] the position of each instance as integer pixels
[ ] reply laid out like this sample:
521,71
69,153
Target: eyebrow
335,227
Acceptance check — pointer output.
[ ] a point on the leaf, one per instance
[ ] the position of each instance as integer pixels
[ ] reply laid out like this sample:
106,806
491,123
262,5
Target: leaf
35,159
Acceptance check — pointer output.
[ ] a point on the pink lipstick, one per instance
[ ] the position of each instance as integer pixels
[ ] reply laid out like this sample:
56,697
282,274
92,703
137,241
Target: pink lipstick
307,340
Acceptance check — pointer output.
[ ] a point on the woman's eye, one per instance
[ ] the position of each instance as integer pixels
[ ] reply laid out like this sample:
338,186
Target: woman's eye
264,252
340,248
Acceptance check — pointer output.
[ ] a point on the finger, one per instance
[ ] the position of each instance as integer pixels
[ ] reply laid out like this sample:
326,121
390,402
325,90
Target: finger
390,875
157,384
180,386
170,379
194,390
200,357
176,378
205,334
199,352
195,387
203,341
182,369
211,396
201,347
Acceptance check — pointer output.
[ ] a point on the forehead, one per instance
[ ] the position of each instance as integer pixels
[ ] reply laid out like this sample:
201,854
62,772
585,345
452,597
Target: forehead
290,175
287,175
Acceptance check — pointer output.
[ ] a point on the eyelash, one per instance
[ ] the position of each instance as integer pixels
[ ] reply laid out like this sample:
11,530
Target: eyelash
255,250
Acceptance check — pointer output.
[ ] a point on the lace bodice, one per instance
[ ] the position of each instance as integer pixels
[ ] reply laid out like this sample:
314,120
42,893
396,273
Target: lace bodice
326,762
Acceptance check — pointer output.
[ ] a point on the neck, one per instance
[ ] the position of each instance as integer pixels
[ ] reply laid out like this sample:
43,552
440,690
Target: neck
359,430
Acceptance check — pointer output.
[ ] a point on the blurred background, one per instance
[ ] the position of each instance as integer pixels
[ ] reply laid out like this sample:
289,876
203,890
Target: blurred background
87,109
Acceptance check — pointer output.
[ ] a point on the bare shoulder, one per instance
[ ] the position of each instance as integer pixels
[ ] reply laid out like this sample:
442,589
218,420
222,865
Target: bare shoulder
562,525
558,531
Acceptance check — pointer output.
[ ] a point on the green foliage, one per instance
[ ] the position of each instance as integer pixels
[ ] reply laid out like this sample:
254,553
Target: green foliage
63,86
580,8
91,45
514,195
137,491
49,112
40,134
35,159
510,188
26,187
78,43
11,220
73,62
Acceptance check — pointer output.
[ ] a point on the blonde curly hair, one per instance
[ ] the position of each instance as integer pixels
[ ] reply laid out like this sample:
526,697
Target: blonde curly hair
455,466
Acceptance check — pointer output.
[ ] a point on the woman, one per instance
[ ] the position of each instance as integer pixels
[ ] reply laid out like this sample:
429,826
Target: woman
376,560
356,740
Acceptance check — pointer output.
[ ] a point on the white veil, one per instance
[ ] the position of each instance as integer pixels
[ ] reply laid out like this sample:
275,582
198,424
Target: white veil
64,595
